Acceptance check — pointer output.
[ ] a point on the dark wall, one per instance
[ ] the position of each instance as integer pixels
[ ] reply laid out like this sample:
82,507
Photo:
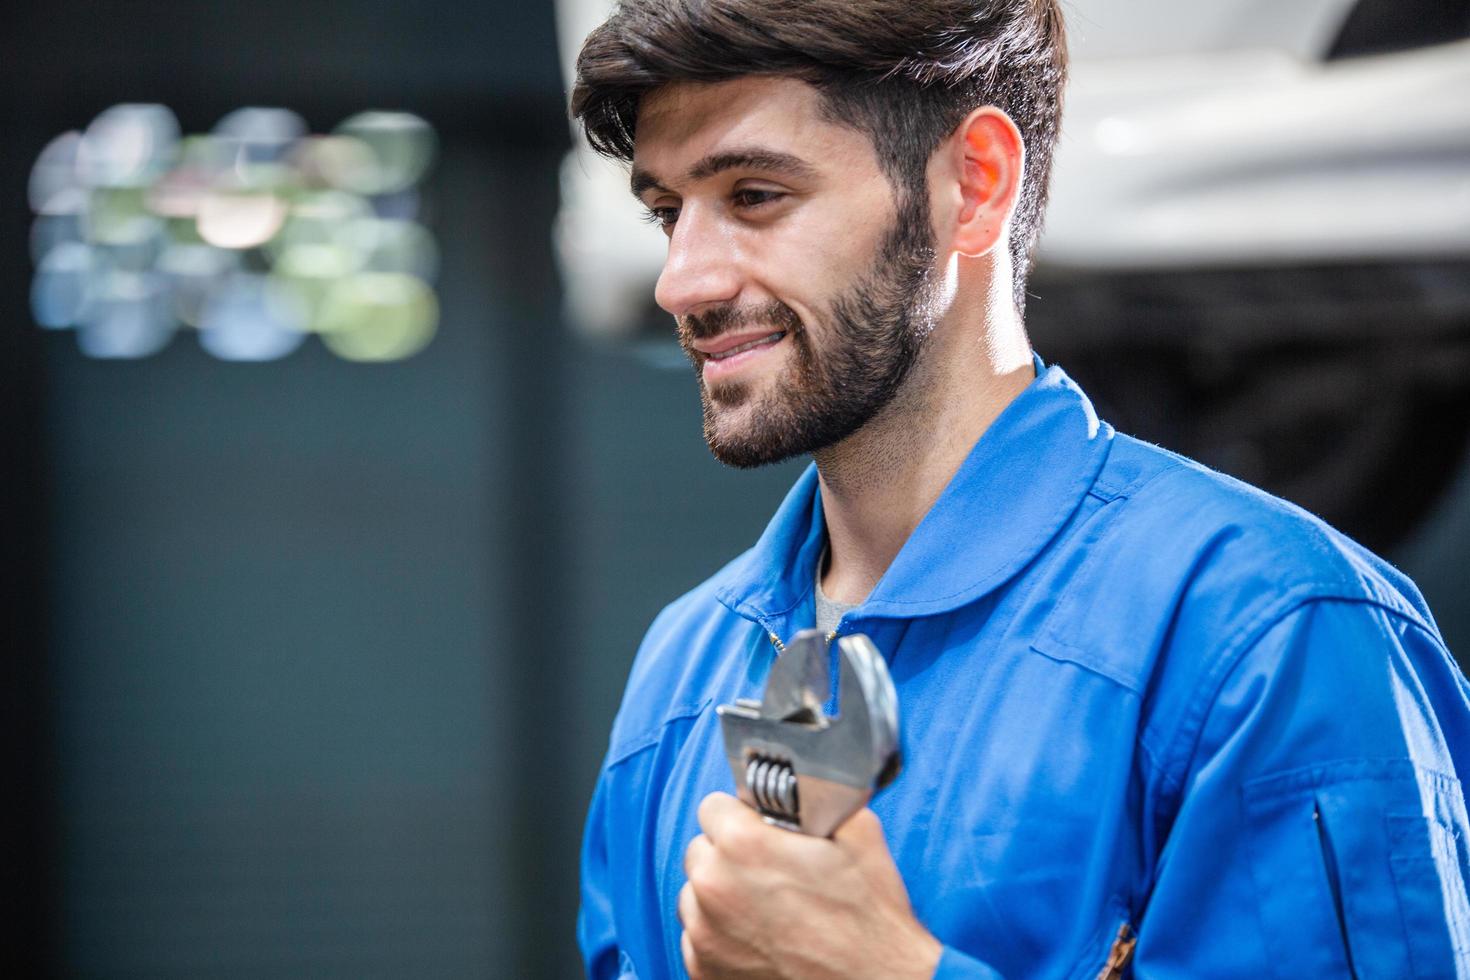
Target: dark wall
313,662
25,754
282,621
279,654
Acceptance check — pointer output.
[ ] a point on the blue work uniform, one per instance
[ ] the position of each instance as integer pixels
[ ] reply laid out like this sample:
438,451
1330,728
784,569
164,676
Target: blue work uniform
1141,702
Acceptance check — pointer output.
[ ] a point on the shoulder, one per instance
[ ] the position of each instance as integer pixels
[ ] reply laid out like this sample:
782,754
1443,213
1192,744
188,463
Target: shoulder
681,654
1178,568
1234,543
693,621
1191,573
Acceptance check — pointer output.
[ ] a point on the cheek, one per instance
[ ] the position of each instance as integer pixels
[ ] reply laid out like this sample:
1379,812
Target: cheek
814,254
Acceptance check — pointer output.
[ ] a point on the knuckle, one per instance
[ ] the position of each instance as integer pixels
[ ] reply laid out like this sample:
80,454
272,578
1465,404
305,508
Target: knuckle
707,809
694,854
703,882
744,838
698,933
691,958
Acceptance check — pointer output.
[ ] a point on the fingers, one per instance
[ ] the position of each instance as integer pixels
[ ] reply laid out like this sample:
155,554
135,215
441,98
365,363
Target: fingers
720,811
691,962
738,833
704,885
688,907
699,851
692,919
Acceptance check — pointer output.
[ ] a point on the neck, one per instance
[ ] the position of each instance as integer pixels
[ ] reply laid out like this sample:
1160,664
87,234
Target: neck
878,484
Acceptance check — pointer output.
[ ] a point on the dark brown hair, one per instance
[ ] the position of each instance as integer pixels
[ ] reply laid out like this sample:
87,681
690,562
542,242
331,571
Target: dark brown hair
905,72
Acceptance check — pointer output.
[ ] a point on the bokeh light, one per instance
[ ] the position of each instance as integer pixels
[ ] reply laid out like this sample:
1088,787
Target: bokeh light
127,315
379,316
389,245
51,231
196,271
55,186
306,273
62,284
256,234
255,135
120,216
400,147
240,218
243,321
128,146
318,218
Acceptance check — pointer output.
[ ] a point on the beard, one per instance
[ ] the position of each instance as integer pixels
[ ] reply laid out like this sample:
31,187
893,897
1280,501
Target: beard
842,374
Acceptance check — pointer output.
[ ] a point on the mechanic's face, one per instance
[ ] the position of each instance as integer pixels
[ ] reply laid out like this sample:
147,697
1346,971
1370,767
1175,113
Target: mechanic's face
800,283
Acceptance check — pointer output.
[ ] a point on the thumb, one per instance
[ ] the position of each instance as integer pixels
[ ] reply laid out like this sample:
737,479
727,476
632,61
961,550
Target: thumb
861,837
861,833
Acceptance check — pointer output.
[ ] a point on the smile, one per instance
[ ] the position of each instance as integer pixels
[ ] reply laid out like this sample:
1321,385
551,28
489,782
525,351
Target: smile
738,359
751,345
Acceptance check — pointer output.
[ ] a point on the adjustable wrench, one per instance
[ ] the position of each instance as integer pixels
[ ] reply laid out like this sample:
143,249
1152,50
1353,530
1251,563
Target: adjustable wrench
800,768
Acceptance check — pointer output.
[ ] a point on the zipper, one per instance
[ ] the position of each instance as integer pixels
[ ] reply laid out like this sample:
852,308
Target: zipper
829,700
1121,954
781,647
1333,884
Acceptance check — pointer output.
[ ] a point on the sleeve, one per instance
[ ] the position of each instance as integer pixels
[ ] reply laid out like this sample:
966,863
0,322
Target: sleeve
595,931
1320,828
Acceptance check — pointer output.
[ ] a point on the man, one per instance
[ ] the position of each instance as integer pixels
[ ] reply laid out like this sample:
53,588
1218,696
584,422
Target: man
1148,712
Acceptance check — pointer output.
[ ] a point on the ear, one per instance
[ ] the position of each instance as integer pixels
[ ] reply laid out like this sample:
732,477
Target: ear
991,160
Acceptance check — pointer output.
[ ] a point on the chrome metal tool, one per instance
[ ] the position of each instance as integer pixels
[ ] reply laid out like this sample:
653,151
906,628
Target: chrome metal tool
799,767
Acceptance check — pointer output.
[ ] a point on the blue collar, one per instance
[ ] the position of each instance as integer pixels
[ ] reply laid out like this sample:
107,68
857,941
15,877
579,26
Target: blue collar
1023,479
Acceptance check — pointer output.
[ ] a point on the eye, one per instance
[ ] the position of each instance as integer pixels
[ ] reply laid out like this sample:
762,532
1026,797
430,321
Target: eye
663,217
750,197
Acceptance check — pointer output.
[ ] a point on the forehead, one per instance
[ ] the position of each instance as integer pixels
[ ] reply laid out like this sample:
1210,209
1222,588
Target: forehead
683,121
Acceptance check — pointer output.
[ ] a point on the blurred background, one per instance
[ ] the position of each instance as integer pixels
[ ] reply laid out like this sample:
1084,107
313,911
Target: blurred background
346,458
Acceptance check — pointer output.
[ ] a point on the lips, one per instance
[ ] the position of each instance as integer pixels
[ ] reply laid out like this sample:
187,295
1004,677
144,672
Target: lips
727,347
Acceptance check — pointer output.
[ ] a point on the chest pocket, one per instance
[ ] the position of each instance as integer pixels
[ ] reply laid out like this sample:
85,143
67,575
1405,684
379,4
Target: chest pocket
1116,592
625,745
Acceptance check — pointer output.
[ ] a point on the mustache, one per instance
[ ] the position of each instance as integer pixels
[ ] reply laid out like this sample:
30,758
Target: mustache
724,319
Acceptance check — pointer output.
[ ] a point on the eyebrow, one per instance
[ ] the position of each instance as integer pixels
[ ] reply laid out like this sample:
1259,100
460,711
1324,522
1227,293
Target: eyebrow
770,161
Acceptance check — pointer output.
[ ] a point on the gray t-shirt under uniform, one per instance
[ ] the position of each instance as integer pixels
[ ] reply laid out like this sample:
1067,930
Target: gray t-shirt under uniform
829,613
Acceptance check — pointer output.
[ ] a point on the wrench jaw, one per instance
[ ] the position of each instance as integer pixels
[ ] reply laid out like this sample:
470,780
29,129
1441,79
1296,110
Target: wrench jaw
869,720
800,768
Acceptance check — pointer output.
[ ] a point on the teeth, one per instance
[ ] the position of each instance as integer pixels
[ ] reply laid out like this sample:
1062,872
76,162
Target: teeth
745,347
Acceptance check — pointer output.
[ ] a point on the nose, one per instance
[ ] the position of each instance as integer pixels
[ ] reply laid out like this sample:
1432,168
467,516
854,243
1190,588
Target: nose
701,267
